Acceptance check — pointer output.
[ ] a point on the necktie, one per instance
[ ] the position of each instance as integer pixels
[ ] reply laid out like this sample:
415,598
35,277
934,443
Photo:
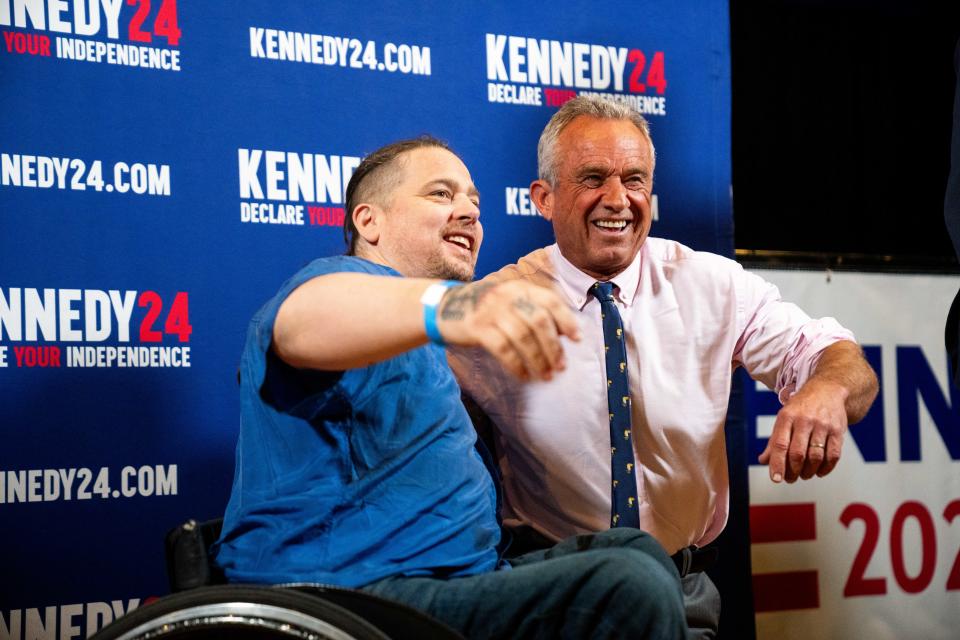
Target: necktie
624,511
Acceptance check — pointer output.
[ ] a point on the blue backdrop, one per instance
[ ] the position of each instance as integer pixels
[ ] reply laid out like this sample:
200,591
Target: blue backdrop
165,166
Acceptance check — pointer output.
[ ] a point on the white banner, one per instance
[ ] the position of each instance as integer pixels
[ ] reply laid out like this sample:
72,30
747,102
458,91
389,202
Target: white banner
873,550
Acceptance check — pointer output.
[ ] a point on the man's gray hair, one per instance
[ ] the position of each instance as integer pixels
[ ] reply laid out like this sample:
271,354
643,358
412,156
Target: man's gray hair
595,106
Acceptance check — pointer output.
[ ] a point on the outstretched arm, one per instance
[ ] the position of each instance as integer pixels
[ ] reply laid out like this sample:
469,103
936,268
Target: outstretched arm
378,317
809,430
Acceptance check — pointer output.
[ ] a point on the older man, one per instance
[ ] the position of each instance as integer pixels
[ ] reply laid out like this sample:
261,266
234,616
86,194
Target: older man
631,432
356,463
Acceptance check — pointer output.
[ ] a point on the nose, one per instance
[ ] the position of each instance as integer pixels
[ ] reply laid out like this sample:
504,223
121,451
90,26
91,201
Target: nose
614,195
466,209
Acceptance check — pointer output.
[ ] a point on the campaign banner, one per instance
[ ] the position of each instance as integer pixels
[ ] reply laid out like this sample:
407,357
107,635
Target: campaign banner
166,165
873,549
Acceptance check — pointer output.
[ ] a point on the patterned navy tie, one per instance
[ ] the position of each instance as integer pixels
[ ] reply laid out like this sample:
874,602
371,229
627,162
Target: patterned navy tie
624,511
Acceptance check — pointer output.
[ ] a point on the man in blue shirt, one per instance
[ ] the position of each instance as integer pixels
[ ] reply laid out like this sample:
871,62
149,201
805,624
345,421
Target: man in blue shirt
356,463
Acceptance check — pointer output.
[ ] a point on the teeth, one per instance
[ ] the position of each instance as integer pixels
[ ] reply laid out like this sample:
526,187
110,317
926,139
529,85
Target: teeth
460,240
611,224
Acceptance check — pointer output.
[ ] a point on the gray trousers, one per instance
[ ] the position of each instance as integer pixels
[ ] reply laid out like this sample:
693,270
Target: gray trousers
701,603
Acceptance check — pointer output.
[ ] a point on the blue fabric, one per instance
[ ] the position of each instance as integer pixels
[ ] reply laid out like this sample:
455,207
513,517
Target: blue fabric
349,477
614,584
624,511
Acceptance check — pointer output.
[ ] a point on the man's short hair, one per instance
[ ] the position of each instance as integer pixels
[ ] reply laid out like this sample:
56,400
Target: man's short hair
376,177
591,105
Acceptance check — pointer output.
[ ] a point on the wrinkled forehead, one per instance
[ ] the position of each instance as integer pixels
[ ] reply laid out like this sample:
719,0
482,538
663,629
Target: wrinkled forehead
589,140
587,127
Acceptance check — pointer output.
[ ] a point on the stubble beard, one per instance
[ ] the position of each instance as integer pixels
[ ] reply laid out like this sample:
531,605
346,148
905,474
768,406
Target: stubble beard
440,266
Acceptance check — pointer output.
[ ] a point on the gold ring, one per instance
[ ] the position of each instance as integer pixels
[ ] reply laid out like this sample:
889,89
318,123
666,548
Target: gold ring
817,445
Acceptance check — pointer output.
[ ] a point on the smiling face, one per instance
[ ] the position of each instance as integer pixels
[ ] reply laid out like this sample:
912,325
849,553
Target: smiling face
429,226
600,205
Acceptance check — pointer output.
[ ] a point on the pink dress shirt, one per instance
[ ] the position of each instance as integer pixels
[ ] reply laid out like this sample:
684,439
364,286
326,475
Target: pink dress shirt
690,318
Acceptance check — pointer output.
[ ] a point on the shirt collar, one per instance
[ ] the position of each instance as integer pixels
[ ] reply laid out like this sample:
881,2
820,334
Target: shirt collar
576,283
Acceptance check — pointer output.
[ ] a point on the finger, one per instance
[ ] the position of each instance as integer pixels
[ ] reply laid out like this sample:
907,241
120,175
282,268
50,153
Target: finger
799,442
567,323
500,347
541,325
776,452
564,319
816,453
525,344
545,330
833,449
789,476
764,456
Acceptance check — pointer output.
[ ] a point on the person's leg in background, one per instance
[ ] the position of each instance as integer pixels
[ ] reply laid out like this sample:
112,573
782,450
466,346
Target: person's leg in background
701,603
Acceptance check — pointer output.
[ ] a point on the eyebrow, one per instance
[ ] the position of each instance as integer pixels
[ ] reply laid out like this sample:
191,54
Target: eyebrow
605,170
454,186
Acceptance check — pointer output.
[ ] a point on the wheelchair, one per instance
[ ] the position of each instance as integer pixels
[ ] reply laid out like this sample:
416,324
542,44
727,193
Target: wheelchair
202,605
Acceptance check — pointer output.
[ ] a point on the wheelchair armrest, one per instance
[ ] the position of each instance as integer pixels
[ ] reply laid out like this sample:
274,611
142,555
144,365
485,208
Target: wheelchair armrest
188,559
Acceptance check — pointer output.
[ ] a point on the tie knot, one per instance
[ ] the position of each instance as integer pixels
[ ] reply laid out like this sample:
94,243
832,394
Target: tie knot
602,291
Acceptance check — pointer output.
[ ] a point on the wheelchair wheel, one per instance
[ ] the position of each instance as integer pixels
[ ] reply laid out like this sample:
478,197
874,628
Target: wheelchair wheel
240,612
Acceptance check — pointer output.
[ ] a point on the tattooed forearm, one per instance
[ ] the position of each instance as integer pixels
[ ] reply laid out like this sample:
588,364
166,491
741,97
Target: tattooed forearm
462,300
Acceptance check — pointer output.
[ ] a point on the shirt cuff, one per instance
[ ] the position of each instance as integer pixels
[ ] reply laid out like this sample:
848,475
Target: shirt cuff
802,358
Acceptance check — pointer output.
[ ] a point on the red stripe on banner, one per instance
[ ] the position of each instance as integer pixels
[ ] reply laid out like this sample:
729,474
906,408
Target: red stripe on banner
785,591
783,522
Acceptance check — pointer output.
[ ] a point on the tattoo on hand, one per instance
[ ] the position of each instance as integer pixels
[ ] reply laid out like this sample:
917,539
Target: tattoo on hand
462,300
524,306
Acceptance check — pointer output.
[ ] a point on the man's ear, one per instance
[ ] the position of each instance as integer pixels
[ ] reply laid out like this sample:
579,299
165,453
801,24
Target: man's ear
367,218
541,194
